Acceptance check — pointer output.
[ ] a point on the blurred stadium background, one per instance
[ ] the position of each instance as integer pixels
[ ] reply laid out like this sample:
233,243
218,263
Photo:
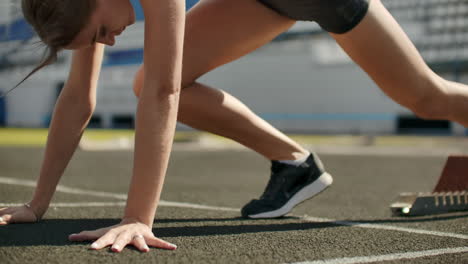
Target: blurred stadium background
300,82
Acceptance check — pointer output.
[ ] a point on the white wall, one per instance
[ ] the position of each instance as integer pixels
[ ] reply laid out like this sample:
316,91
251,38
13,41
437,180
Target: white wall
307,84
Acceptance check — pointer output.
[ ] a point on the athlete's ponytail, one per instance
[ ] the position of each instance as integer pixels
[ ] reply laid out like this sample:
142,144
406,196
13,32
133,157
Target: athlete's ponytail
57,23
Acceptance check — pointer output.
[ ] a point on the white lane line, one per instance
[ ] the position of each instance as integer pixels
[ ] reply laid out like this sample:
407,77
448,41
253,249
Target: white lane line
385,227
64,189
110,204
395,256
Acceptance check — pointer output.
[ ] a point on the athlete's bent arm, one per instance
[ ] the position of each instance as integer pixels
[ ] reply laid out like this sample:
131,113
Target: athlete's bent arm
71,115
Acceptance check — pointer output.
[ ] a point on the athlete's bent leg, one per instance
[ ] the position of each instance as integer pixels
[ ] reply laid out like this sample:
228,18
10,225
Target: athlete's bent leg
383,50
217,32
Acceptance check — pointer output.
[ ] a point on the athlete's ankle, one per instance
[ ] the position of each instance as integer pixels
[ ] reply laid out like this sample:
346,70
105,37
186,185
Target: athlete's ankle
297,158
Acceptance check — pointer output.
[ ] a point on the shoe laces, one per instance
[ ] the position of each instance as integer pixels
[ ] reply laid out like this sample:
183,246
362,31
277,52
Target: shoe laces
275,183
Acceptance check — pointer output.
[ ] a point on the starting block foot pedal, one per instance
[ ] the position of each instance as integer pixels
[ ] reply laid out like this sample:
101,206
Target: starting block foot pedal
414,204
449,195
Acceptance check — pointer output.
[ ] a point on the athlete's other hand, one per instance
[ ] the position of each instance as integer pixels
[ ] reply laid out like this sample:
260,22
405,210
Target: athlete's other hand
127,232
19,214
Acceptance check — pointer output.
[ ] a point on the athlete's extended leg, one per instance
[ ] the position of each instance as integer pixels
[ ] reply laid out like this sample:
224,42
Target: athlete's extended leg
217,32
382,49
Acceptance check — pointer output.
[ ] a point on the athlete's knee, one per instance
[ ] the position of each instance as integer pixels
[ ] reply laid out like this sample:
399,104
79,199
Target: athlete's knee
189,78
187,81
187,84
434,103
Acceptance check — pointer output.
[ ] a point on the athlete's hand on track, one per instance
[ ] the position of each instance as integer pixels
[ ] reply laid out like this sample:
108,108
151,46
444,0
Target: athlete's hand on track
127,232
19,214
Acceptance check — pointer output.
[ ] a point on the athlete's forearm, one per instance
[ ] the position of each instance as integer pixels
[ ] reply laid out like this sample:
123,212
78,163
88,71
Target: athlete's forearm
157,106
71,115
155,125
68,123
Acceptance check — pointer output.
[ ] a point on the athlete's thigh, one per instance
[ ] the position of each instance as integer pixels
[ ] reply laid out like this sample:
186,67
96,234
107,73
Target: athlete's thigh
220,31
381,48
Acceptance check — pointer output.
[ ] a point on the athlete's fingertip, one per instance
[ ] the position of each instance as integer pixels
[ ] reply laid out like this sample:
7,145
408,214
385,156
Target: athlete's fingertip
74,237
116,248
146,249
5,219
172,246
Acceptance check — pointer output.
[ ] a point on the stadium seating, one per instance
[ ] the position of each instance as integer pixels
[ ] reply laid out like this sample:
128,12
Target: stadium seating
439,28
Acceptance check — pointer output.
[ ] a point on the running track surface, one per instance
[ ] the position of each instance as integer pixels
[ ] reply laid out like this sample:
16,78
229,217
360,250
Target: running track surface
348,223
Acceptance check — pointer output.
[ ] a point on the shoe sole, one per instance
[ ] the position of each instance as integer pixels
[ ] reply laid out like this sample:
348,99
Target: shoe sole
316,187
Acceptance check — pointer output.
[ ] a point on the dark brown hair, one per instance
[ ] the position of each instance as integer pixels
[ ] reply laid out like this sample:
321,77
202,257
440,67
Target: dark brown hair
57,23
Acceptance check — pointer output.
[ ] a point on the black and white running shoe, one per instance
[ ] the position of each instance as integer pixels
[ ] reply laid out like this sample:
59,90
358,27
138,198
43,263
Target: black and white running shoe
289,185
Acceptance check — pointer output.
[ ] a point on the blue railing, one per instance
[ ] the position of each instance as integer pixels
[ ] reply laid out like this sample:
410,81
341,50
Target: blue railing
3,113
17,30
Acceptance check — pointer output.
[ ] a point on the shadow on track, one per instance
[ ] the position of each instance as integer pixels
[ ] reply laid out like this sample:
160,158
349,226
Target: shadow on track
231,219
211,230
52,232
55,232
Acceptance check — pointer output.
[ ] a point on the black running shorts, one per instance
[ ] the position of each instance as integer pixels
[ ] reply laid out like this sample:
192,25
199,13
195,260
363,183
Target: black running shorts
335,16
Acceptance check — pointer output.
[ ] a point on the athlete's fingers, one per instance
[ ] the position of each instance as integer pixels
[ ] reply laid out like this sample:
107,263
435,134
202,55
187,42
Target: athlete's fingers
87,235
5,219
159,243
106,240
122,240
5,210
140,243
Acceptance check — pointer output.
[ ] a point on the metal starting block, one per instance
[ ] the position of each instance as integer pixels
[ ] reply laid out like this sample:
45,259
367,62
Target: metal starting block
413,204
449,195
